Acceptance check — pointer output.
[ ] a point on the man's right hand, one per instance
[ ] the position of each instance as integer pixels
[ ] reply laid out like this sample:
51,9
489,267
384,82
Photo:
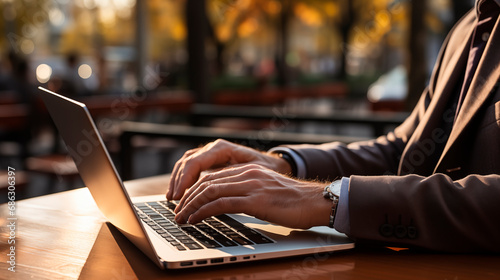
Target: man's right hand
218,154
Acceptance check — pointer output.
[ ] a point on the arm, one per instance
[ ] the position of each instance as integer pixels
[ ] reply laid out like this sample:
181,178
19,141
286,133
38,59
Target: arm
432,212
376,157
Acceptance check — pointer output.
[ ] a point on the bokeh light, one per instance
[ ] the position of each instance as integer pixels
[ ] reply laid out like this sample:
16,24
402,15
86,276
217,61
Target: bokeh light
84,71
43,73
27,46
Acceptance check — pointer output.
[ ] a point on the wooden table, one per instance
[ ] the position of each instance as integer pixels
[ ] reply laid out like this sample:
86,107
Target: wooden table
64,236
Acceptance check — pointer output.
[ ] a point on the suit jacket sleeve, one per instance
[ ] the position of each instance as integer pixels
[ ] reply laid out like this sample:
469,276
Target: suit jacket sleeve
433,212
332,161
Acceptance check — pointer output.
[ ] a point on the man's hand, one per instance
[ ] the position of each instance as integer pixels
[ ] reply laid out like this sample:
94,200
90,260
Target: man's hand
217,154
257,191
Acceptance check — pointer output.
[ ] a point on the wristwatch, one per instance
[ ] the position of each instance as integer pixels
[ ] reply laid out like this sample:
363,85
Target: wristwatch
332,192
290,161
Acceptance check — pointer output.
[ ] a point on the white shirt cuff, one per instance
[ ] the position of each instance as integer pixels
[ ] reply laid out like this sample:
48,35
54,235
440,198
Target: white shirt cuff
299,162
342,223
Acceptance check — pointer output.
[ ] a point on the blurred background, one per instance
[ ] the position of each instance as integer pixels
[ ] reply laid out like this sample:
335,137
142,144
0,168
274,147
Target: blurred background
164,76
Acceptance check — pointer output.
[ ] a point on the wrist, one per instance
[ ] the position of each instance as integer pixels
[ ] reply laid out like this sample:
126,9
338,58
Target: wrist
324,208
285,164
331,192
319,208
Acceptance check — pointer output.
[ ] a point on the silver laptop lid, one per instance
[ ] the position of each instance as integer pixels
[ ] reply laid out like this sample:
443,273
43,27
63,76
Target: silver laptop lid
85,145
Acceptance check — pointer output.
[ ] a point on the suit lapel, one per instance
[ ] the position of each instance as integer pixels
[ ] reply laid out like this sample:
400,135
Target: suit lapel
456,53
446,75
483,83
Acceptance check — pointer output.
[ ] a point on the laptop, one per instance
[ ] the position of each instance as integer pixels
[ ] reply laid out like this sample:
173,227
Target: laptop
148,221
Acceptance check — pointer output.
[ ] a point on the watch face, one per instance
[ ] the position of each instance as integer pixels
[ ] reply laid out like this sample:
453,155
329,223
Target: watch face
334,188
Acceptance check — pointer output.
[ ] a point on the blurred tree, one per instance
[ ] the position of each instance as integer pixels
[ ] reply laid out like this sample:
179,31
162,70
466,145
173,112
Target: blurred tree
196,24
23,23
417,72
347,20
167,25
282,43
232,21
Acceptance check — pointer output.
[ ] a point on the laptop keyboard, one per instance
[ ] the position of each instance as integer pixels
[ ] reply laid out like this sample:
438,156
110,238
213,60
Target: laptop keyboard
214,232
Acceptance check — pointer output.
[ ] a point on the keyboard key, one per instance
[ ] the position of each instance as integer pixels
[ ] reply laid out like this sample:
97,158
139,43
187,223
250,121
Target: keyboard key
169,205
209,243
194,246
153,204
183,237
170,228
223,240
216,235
180,248
161,231
256,237
156,216
203,239
178,234
231,222
187,241
240,240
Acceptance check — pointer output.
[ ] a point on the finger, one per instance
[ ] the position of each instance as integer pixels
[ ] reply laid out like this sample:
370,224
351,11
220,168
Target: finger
213,154
177,187
207,191
234,174
189,193
173,175
184,180
189,171
223,205
220,177
175,171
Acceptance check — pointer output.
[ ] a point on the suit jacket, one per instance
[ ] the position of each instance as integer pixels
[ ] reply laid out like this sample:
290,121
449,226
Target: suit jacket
416,186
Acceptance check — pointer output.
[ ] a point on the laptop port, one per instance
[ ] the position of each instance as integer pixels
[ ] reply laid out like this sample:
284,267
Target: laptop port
246,257
201,262
218,260
232,259
186,263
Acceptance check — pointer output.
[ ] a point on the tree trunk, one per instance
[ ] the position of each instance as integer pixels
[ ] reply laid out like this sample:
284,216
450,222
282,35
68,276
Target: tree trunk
197,64
282,43
417,73
347,21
